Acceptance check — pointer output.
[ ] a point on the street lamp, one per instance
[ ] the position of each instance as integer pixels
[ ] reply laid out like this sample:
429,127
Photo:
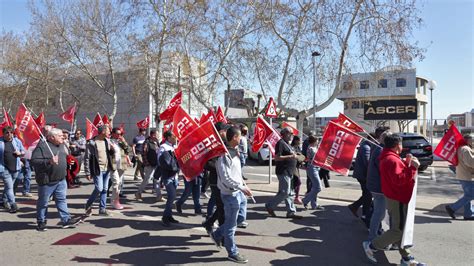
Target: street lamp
313,55
431,87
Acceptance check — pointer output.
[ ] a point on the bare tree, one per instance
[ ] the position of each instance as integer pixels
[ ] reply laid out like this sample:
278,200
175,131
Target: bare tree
90,36
351,35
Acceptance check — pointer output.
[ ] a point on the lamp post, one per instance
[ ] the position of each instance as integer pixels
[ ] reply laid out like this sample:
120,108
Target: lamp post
313,55
431,87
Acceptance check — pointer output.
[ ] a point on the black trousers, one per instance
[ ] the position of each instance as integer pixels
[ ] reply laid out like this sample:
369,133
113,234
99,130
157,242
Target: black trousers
365,200
218,215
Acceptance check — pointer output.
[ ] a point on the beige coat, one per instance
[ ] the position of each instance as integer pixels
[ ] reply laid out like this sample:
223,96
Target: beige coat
465,168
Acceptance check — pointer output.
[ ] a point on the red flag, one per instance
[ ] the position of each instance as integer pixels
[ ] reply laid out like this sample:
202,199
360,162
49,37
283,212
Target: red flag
296,132
210,116
264,132
174,103
184,123
196,120
448,146
106,120
347,122
91,130
6,122
122,128
68,116
197,148
26,129
40,120
98,120
220,115
337,149
145,123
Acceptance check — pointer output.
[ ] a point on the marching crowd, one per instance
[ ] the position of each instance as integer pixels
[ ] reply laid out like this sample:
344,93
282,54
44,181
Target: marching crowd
386,180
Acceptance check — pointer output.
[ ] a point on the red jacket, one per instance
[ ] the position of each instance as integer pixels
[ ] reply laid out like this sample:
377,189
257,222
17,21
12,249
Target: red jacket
397,177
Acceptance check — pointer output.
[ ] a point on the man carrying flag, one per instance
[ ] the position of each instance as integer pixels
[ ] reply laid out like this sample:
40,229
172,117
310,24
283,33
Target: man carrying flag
465,175
285,163
233,194
398,181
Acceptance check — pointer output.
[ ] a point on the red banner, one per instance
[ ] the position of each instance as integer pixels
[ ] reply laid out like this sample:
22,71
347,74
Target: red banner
174,103
98,120
6,122
183,122
68,116
296,132
194,150
220,115
347,122
448,146
337,149
91,130
26,129
264,132
40,120
105,119
145,123
210,116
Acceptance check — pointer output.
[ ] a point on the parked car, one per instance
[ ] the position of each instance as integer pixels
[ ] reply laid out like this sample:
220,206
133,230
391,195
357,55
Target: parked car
419,147
262,156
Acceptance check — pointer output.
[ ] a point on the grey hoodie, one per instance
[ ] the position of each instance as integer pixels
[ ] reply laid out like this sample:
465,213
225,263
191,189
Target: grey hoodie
229,173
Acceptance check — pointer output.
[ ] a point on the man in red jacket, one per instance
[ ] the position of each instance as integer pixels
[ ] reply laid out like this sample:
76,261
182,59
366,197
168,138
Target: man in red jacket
398,180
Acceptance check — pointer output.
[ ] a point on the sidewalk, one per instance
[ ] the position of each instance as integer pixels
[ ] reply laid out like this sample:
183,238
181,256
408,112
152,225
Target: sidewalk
423,203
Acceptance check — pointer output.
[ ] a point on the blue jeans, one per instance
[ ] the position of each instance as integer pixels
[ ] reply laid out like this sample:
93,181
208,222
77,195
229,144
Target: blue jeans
193,187
235,213
465,200
312,196
59,190
170,184
378,214
243,159
8,182
210,205
101,183
25,177
284,194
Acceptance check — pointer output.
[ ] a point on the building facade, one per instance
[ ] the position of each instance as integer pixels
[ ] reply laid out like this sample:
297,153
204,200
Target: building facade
392,97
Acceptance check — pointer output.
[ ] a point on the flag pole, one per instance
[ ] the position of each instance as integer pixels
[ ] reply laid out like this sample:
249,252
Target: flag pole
346,128
270,161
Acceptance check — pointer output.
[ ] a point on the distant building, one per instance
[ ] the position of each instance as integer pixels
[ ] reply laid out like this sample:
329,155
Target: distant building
464,122
241,99
393,97
134,95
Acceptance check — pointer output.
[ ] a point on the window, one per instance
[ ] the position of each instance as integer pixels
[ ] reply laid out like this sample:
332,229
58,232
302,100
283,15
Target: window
347,85
364,84
355,105
401,82
346,105
382,83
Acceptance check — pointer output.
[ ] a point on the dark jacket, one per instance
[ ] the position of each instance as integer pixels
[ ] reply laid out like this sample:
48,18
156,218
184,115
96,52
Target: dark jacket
168,164
373,173
91,158
211,167
362,161
150,152
45,172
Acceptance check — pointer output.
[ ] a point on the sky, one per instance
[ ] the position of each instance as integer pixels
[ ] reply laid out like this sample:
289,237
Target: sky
447,34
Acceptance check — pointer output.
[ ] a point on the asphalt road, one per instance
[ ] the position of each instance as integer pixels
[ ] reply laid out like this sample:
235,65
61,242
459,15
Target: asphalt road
135,235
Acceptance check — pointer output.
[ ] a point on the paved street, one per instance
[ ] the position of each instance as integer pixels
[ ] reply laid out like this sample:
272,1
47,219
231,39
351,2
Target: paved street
136,236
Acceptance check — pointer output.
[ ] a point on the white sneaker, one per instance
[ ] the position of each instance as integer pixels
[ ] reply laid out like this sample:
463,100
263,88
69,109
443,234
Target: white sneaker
369,253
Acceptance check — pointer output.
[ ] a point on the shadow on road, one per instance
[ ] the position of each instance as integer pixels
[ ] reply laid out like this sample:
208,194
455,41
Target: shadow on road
317,244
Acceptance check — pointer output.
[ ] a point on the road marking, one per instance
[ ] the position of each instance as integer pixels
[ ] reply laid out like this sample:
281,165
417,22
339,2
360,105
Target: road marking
433,173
